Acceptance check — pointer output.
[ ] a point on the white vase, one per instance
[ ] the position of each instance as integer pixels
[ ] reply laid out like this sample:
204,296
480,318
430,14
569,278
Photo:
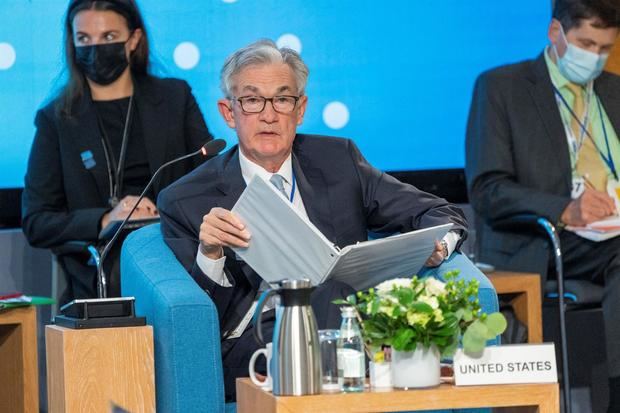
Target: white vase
419,368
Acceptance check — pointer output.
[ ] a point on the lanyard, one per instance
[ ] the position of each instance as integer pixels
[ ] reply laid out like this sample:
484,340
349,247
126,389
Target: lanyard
116,171
294,186
583,125
609,160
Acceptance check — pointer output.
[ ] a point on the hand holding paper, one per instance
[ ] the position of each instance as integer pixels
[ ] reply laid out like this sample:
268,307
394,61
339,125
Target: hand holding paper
287,245
221,228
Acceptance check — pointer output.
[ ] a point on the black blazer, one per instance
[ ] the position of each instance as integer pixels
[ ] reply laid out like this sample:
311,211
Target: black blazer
518,159
343,194
63,200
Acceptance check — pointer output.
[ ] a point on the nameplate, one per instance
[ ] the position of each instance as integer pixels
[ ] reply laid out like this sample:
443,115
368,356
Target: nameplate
509,364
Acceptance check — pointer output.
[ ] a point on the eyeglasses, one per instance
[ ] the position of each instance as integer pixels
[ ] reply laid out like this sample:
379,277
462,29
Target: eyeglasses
256,104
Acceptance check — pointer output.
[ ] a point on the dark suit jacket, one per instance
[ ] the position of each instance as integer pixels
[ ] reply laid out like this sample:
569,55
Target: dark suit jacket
344,197
64,201
518,159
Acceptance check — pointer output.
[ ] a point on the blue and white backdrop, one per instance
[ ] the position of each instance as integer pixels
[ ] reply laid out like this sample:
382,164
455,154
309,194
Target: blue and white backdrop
394,75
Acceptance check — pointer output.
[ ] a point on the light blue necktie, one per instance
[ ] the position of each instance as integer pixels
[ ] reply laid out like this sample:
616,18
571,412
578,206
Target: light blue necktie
278,182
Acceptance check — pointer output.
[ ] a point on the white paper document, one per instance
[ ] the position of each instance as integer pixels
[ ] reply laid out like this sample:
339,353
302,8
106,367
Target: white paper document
286,245
600,230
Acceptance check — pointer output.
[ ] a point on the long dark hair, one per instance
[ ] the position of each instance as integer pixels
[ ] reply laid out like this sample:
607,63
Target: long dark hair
76,85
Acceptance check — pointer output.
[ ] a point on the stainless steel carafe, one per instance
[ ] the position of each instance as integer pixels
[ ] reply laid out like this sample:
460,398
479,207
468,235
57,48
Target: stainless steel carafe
296,352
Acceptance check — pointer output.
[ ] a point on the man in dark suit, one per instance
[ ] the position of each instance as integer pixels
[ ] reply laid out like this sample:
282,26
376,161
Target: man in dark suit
542,138
326,179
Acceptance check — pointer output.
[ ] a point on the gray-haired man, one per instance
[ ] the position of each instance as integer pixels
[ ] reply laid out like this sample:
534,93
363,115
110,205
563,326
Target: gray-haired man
327,179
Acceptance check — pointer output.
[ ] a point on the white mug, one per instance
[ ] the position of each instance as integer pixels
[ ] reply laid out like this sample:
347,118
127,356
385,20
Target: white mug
265,384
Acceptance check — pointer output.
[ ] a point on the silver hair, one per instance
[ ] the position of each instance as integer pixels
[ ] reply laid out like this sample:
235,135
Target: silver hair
262,52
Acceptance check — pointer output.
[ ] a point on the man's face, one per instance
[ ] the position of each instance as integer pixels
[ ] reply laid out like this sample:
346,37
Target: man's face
585,36
266,138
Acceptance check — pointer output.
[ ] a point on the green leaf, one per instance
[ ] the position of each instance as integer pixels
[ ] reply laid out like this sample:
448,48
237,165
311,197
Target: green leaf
397,312
421,307
340,301
352,300
468,315
402,338
473,344
496,324
374,308
404,295
475,337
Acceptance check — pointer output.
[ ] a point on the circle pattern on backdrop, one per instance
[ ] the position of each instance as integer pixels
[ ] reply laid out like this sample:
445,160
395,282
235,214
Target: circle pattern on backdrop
7,56
336,115
186,55
289,40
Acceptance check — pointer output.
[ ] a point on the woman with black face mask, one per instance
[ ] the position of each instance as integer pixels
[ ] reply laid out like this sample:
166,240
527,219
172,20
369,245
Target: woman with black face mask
99,141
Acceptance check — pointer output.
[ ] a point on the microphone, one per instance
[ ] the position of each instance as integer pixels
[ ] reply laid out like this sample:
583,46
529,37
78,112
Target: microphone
118,311
210,148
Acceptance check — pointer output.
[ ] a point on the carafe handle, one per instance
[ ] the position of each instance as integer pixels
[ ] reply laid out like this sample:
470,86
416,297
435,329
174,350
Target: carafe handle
258,315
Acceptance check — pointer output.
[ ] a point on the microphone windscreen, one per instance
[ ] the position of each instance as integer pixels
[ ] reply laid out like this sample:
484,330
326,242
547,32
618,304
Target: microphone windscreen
213,147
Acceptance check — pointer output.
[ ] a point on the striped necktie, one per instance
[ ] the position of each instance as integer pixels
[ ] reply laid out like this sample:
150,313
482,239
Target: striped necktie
278,181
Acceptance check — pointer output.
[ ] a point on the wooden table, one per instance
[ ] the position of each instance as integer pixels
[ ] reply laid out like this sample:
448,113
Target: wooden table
19,377
89,369
543,397
527,301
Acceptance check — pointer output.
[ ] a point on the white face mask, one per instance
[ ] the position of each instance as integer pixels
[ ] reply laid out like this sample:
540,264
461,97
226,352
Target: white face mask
578,65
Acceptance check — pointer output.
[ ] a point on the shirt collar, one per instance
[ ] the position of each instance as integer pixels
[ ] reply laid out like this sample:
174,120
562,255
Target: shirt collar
249,169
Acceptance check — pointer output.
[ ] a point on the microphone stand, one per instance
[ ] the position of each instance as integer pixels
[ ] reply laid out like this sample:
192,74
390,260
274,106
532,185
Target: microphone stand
117,311
101,276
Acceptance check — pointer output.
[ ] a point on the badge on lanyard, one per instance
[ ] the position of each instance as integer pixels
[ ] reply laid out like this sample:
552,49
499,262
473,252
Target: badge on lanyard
579,185
613,189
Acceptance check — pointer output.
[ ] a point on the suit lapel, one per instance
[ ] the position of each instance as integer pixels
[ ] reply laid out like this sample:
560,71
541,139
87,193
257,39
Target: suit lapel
154,124
231,184
544,98
313,189
609,100
230,180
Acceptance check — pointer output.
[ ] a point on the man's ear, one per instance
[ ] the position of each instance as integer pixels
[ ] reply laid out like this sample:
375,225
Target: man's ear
553,33
226,110
301,110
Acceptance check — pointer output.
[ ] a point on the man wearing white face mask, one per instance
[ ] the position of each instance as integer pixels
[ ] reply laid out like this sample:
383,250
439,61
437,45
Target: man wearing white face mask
542,138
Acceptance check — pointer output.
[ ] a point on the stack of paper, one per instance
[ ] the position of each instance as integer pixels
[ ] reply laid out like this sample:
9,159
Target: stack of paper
11,300
600,230
286,245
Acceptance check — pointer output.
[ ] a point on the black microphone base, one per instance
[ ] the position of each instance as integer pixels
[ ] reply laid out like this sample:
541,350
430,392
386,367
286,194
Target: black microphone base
104,322
99,313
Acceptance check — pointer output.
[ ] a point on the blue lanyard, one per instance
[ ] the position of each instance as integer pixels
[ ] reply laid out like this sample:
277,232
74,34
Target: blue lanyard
584,129
293,188
609,160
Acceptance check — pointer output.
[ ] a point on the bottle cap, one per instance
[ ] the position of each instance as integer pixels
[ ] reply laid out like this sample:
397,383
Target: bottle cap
347,311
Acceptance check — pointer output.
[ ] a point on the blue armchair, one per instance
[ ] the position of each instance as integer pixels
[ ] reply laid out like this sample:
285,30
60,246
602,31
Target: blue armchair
188,366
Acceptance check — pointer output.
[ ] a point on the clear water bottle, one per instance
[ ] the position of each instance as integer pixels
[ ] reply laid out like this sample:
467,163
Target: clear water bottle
351,359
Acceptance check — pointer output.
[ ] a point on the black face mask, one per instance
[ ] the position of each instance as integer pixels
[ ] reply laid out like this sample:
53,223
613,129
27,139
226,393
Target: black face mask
102,63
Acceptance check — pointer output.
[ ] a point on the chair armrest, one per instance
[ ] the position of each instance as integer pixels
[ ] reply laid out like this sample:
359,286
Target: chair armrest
71,247
519,223
188,364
